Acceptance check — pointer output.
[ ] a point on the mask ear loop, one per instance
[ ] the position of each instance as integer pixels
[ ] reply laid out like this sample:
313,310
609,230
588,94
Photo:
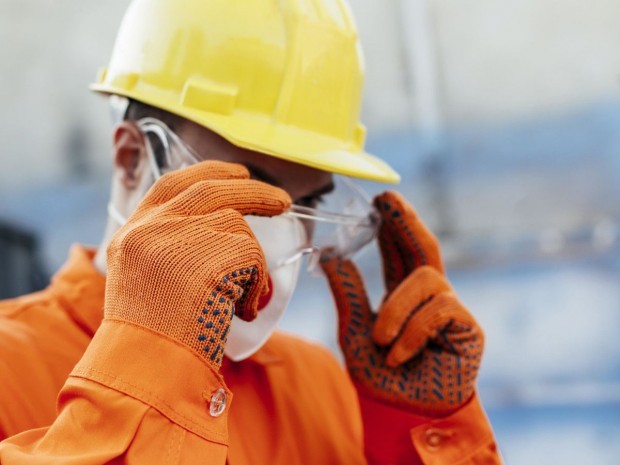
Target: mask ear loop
116,215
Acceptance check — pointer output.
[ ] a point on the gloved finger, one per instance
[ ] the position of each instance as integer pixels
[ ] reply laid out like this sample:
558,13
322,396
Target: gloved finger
431,323
242,264
245,264
394,271
418,288
354,312
247,196
227,221
254,281
173,183
416,244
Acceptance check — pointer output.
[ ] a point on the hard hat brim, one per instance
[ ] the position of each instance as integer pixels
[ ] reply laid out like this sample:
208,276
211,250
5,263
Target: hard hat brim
255,132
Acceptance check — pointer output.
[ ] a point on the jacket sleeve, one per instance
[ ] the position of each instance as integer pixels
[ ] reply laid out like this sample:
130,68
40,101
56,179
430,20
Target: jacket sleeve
396,437
135,397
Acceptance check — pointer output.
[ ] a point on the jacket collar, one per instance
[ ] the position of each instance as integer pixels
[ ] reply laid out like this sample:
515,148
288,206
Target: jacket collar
80,288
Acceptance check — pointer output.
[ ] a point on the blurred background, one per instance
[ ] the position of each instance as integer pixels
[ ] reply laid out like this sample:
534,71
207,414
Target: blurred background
503,119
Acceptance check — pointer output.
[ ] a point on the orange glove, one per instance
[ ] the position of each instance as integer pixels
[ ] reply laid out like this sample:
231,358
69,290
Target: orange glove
186,259
423,349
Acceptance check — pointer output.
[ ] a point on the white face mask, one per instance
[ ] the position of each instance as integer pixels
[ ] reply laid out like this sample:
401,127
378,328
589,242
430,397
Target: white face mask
281,238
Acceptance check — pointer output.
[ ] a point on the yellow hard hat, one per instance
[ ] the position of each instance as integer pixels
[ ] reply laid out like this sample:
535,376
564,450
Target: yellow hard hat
282,77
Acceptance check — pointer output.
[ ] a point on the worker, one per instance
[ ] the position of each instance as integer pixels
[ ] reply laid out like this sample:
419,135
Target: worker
159,347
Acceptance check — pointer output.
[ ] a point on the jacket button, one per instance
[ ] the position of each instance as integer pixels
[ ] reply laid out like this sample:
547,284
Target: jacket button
217,405
434,438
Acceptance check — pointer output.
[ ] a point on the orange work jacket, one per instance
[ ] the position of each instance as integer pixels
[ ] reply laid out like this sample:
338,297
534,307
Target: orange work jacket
74,390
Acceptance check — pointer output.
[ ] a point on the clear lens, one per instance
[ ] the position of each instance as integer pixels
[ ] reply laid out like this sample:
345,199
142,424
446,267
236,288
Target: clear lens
344,226
345,223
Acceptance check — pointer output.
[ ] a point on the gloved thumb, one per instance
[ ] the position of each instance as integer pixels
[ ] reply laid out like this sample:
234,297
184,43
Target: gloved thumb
354,311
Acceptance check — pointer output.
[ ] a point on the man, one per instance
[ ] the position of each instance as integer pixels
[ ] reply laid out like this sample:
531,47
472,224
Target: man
261,99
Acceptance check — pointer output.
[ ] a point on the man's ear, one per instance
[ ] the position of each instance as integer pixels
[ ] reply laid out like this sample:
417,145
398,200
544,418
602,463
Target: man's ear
129,153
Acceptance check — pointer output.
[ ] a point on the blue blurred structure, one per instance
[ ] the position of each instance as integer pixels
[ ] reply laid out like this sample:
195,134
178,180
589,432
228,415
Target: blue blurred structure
551,377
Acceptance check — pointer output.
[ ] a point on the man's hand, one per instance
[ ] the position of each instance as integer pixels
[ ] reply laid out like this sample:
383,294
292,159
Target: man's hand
186,260
422,351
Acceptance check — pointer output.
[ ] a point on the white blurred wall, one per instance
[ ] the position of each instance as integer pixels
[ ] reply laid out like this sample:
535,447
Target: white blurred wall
51,52
513,59
493,61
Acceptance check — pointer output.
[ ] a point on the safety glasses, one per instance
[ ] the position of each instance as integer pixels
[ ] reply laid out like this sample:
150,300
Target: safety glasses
344,225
